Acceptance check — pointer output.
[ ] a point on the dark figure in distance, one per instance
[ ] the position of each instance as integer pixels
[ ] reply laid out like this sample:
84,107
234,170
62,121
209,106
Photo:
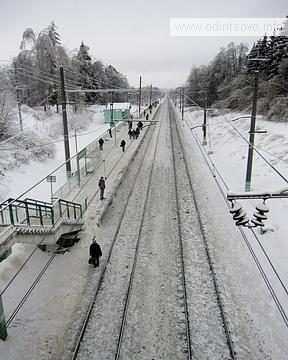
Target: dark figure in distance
101,185
130,133
123,143
101,142
130,125
147,117
110,132
95,252
137,132
140,124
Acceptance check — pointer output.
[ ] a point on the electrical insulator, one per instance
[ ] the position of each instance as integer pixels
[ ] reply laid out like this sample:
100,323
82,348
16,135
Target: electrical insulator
262,209
238,214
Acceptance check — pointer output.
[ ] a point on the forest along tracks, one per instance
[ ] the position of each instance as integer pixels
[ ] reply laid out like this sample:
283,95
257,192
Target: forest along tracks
155,297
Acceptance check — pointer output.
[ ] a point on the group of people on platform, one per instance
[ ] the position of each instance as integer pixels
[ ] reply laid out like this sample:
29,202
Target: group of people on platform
95,251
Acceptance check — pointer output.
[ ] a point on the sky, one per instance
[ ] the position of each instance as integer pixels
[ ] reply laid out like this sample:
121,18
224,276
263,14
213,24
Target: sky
131,35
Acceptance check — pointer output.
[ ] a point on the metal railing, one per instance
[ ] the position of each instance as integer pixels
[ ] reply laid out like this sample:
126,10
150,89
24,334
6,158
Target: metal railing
34,212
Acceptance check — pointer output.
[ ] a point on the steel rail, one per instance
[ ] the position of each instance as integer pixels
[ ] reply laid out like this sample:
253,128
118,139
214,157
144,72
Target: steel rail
209,257
85,322
180,238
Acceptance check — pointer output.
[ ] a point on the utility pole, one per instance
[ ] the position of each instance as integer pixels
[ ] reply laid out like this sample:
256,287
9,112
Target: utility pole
140,96
65,124
112,115
252,133
150,97
77,159
183,103
18,97
180,98
205,120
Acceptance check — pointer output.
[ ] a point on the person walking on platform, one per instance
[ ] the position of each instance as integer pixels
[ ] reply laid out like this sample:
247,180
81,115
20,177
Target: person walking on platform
137,132
95,252
147,117
101,142
101,185
130,133
110,132
123,143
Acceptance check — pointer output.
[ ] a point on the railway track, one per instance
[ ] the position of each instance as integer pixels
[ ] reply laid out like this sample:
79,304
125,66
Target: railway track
138,164
183,210
150,301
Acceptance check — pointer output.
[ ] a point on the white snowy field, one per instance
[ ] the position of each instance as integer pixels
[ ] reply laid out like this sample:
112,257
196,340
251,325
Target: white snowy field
228,152
18,177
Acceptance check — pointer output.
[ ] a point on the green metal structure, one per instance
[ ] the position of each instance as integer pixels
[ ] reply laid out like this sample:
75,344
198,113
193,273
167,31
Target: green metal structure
121,111
3,329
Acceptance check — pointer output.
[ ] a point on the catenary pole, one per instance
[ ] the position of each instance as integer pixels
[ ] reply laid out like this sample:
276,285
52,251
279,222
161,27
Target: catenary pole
65,124
183,103
140,84
205,120
18,97
252,133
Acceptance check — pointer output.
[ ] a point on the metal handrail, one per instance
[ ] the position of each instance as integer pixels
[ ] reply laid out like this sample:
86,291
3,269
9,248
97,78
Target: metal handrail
25,212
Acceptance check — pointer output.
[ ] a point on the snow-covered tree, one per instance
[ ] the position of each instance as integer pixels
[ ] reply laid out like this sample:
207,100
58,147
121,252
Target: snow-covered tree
38,63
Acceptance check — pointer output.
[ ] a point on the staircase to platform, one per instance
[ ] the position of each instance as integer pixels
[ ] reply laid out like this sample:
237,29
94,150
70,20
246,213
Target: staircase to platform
38,222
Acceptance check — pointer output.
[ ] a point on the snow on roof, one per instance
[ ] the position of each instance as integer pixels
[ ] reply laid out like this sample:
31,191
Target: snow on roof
119,106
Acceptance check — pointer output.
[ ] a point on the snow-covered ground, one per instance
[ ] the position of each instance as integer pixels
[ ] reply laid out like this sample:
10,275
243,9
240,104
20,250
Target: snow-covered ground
230,152
20,177
235,266
227,157
23,176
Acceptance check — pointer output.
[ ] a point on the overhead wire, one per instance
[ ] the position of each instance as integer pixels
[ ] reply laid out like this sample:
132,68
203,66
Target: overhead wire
39,276
47,76
257,262
46,144
248,142
45,79
94,79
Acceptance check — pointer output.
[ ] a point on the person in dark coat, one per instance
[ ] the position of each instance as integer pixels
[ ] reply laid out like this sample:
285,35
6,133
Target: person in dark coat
147,117
101,185
137,132
110,132
101,142
130,133
95,252
122,144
